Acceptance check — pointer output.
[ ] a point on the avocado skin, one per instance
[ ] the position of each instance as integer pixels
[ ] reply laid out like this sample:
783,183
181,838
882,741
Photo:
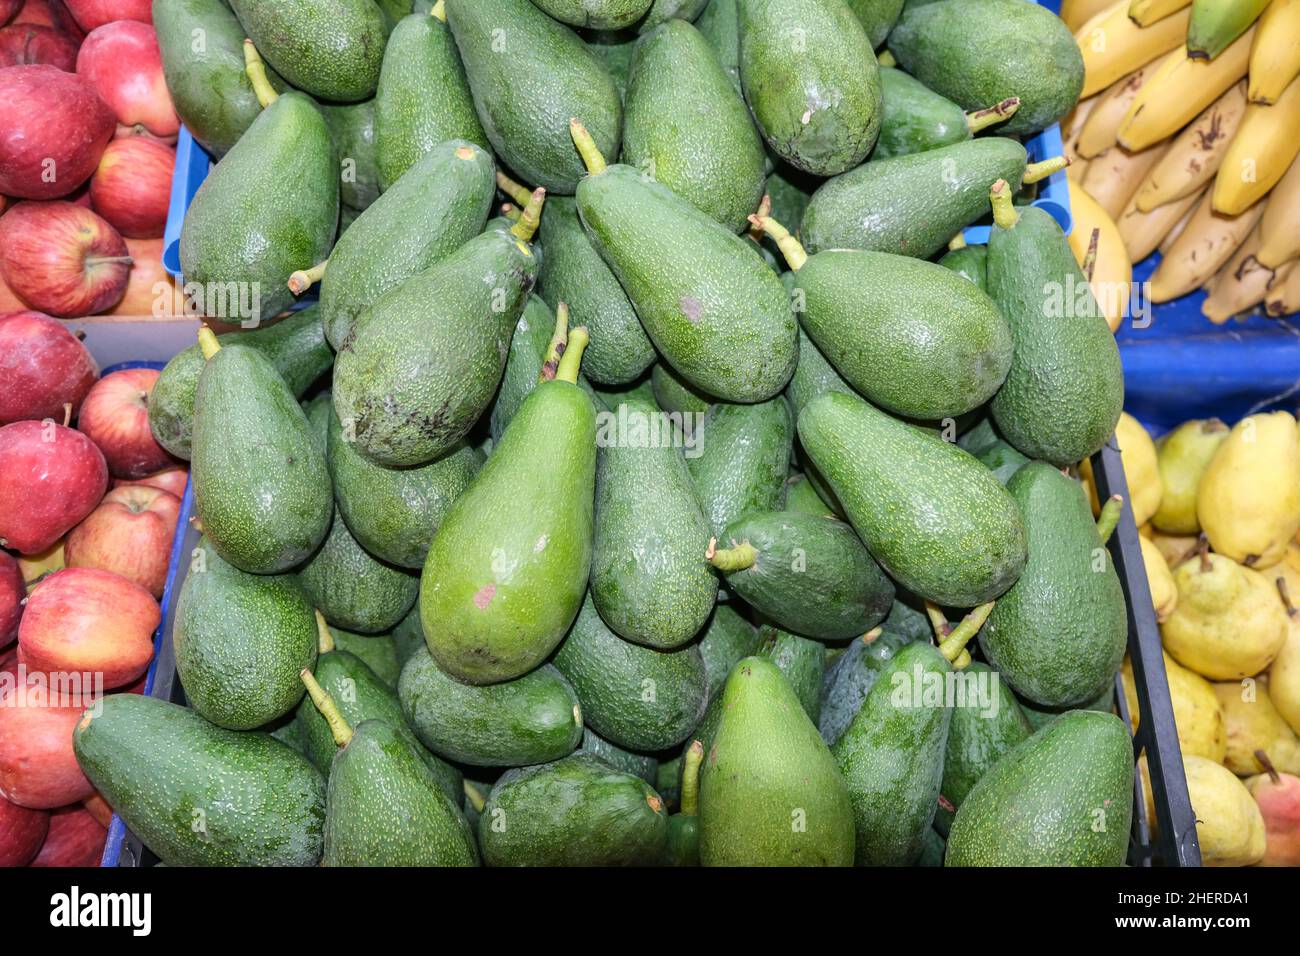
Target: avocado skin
155,762
596,14
979,52
675,394
818,103
376,651
916,118
848,680
1058,635
877,17
644,766
802,662
801,496
969,262
719,24
525,98
661,11
892,205
577,811
726,639
1041,804
744,460
352,127
813,375
934,518
354,589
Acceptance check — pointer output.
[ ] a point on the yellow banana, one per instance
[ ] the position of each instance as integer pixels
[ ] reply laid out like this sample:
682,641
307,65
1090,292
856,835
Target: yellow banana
1216,23
1142,231
1266,142
1112,272
1113,46
1239,285
1076,13
1099,131
1071,128
1279,230
1172,235
1207,241
1179,89
1284,299
1275,55
1196,153
1114,176
1146,12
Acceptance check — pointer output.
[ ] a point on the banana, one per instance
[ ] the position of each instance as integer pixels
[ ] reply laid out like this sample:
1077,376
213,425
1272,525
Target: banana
1172,235
1216,23
1112,272
1196,153
1284,299
1099,131
1071,128
1113,46
1275,55
1239,285
1146,12
1114,176
1266,142
1142,231
1279,234
1076,13
1207,241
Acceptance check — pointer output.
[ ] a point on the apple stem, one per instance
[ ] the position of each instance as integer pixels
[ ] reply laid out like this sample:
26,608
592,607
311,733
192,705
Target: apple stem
67,414
1268,766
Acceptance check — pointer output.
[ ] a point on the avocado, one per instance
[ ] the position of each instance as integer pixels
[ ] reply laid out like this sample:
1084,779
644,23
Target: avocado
969,262
408,636
596,14
197,794
376,651
726,639
685,125
661,11
1039,716
1002,459
917,119
770,793
979,52
813,375
353,588
269,208
684,826
422,100
577,811
675,394
638,765
710,305
810,78
419,221
801,661
801,496
809,574
526,91
637,697
331,48
1058,636
352,128
848,680
877,18
508,568
1065,391
640,390
295,345
1064,797
719,24
532,719
613,49
892,205
934,518
891,756
743,460
261,488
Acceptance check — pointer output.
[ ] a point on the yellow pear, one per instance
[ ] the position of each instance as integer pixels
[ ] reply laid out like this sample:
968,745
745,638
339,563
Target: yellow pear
1175,548
1229,826
1284,675
1229,622
1253,723
1137,453
1196,710
1248,501
1183,455
1164,596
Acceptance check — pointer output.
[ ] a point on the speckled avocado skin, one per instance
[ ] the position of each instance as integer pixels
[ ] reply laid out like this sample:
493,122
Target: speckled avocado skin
813,375
877,17
596,14
916,118
744,460
726,639
802,662
352,127
353,588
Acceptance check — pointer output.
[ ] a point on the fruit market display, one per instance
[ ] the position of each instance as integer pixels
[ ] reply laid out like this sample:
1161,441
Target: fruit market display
609,452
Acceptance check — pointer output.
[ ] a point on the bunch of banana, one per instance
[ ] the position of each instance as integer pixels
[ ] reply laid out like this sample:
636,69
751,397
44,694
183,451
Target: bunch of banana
1186,138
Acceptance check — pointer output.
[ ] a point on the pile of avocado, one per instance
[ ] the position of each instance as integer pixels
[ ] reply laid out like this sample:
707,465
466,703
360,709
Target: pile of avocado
625,527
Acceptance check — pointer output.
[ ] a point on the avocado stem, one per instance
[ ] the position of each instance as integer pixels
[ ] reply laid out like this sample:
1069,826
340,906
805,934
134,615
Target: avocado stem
516,191
571,360
790,247
339,728
886,58
1267,764
526,227
955,643
208,343
937,621
872,635
764,210
587,148
962,660
472,793
510,211
256,71
304,279
1004,213
324,636
983,119
1036,171
1109,517
957,242
559,343
737,558
691,778
439,10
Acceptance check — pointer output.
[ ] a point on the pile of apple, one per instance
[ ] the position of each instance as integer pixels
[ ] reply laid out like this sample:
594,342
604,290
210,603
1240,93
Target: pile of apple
87,148
87,517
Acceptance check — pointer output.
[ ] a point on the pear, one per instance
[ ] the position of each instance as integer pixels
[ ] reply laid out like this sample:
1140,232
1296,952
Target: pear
1174,548
1253,724
1284,674
1229,622
1248,501
1196,710
1182,456
1164,595
1278,797
1137,453
1229,826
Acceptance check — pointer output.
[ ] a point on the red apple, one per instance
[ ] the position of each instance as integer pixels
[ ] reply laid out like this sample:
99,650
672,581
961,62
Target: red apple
53,128
38,768
22,831
12,592
115,415
63,259
85,620
76,838
8,10
50,13
121,61
43,366
95,13
172,480
132,186
1278,797
26,43
130,534
51,477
